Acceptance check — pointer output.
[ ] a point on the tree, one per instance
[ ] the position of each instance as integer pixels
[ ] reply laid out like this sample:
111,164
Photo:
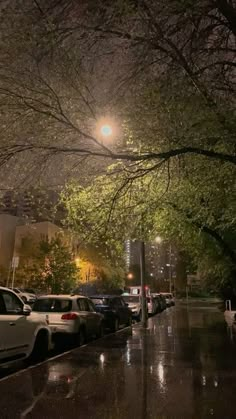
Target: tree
63,106
47,266
185,209
60,269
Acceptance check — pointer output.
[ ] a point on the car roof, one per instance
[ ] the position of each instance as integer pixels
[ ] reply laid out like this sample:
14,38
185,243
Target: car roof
8,289
105,296
69,296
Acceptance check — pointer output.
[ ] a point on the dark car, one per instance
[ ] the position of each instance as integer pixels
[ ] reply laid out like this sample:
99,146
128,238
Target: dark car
159,303
115,310
163,300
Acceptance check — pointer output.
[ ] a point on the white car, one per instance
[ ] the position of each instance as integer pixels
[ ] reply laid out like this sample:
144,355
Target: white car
170,301
22,334
70,316
25,296
134,304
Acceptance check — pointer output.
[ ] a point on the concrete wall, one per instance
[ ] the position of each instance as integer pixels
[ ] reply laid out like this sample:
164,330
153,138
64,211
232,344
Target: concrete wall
38,231
8,225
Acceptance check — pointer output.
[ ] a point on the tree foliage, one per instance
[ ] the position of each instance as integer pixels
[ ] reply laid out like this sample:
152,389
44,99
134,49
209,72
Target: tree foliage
47,266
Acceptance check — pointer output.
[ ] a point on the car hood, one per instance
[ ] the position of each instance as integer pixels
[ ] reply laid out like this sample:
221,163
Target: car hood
133,305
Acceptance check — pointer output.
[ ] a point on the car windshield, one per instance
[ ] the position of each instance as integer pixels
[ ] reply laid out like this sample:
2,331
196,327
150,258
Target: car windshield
131,298
99,301
52,305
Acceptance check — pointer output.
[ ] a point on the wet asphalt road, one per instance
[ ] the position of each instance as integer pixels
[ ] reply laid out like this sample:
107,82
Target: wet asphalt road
182,366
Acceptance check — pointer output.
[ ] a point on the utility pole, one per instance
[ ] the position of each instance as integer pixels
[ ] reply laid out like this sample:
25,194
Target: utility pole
143,290
170,271
15,264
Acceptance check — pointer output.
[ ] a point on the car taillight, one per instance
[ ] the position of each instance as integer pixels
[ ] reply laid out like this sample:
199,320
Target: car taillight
69,316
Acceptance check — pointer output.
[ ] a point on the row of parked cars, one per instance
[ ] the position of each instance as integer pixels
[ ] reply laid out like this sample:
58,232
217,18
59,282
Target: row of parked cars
156,303
30,332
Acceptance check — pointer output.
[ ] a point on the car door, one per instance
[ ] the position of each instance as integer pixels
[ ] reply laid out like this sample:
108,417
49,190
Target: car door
3,327
88,315
18,331
125,310
121,310
95,318
84,314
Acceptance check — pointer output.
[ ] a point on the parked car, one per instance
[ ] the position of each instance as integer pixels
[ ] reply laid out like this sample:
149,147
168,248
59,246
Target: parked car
152,305
169,299
22,335
116,312
134,304
163,301
72,317
158,301
27,297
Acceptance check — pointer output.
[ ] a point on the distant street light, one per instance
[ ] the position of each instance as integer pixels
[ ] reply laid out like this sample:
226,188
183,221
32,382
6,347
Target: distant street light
158,239
77,262
130,275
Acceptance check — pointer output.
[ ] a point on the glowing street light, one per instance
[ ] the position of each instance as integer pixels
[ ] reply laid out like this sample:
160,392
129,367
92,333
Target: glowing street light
106,130
77,262
130,275
158,239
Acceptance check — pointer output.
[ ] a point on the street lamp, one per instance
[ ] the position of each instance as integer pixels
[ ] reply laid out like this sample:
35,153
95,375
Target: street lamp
158,239
77,262
106,130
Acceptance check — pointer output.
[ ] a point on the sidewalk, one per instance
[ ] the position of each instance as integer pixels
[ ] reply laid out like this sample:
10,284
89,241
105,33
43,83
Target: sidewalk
182,366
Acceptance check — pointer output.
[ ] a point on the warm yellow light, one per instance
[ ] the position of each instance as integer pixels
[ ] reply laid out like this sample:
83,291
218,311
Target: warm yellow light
158,239
77,262
130,275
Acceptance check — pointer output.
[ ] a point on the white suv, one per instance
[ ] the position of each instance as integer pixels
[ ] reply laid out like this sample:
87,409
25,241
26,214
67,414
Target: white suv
22,334
70,316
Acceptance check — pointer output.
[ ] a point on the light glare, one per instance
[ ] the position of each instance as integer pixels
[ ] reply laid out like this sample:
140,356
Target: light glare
106,130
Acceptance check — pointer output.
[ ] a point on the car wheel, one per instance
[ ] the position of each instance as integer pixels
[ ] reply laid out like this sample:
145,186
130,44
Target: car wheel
115,325
80,337
40,348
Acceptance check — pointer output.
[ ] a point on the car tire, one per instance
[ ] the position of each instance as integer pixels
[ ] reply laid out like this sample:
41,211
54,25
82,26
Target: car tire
116,324
80,337
40,349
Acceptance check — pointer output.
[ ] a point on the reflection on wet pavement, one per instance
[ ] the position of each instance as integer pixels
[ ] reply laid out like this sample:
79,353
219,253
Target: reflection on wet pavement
182,366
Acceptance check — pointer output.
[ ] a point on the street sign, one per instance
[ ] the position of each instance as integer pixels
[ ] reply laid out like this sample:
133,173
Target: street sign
15,262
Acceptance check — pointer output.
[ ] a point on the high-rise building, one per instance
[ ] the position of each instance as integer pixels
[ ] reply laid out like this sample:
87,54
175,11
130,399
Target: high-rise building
33,204
132,253
160,263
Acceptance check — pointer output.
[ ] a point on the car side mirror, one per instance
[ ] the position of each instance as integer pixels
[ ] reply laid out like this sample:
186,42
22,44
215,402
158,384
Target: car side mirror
26,310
